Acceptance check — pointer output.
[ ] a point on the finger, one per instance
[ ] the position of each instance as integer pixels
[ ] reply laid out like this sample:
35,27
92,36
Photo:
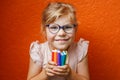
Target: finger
51,63
49,72
50,66
63,67
57,69
61,74
62,71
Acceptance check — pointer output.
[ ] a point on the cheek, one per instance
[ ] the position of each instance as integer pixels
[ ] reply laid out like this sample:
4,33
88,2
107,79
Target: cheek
49,36
72,36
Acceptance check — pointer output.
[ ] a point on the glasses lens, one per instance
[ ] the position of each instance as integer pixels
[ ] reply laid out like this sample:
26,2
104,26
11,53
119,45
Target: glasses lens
69,28
53,28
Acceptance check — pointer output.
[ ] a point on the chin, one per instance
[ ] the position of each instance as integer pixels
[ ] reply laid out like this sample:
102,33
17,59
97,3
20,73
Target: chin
62,47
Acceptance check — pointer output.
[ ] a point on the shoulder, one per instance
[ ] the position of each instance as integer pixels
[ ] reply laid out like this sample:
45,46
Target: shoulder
82,42
80,45
82,48
36,49
36,45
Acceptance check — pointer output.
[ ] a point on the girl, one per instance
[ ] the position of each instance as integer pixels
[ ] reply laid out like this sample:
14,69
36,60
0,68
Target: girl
59,26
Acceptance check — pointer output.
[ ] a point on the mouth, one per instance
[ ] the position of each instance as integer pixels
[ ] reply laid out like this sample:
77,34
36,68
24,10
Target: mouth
61,39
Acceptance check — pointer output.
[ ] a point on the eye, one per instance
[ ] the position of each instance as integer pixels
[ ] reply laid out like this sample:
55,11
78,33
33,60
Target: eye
53,27
67,27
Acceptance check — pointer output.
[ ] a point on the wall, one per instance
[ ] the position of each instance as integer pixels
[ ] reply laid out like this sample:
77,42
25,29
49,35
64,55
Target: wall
99,23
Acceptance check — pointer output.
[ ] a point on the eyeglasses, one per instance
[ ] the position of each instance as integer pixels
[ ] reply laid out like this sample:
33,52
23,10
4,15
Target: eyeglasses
54,28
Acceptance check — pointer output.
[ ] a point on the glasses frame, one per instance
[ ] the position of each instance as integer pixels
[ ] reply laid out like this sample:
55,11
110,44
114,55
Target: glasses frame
61,27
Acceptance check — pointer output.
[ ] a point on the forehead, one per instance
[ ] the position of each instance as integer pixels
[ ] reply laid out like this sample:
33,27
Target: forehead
63,20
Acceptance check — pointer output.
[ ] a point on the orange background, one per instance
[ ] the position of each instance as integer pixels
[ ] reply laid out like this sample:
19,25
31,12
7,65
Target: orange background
20,25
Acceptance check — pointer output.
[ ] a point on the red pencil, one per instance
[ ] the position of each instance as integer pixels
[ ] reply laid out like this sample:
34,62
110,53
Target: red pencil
53,55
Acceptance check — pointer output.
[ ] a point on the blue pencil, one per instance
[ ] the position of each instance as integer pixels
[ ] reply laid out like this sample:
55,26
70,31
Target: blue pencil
65,55
59,58
63,58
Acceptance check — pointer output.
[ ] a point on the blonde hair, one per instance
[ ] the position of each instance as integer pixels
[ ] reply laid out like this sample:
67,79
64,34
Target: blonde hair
54,11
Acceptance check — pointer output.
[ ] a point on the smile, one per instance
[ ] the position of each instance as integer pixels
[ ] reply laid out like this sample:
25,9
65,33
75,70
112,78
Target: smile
61,39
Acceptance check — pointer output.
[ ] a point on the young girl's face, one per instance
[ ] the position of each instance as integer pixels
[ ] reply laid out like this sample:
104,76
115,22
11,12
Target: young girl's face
60,40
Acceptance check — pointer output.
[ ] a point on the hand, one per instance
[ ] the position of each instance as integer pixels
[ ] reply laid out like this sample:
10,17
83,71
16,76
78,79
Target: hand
62,70
49,68
53,70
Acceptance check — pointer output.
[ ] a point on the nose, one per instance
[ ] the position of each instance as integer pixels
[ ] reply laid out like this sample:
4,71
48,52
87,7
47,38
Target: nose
61,32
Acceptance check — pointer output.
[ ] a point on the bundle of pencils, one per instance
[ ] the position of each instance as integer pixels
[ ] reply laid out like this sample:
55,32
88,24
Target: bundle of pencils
59,57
